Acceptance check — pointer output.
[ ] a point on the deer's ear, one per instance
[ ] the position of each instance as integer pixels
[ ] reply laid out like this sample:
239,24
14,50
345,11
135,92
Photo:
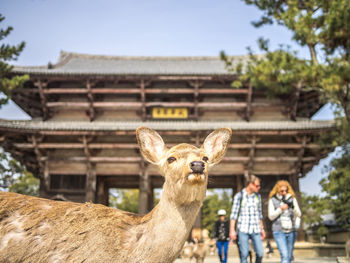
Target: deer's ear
151,144
215,145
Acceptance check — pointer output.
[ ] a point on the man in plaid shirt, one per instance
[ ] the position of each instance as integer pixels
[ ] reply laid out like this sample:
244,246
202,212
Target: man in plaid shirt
247,215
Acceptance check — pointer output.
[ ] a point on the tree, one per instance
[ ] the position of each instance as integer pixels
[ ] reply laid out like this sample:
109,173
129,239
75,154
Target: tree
337,187
15,178
9,53
324,28
313,207
320,25
211,204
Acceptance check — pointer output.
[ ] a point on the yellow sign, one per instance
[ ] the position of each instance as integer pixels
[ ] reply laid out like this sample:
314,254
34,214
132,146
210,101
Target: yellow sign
169,113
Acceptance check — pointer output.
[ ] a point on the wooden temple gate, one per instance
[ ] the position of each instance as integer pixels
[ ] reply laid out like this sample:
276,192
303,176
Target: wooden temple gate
85,109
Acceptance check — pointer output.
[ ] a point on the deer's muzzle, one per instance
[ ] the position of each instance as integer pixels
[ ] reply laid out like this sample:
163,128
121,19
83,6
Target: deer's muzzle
197,167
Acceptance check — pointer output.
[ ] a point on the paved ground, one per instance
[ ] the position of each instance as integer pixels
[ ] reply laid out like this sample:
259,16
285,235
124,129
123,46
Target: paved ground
211,259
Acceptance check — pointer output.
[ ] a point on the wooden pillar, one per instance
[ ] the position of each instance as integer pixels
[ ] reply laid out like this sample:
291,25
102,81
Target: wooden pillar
250,164
41,86
294,180
196,92
196,85
248,112
143,100
145,190
43,164
42,189
91,110
239,184
102,192
246,177
90,187
47,181
295,101
150,199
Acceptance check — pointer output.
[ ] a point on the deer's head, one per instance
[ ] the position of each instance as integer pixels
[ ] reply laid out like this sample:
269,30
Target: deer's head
184,166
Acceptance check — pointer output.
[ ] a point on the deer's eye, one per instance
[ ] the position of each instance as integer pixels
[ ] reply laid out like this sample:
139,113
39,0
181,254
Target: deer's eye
171,159
205,158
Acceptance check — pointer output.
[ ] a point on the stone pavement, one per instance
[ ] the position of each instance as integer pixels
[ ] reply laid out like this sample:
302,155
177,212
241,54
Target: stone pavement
304,252
211,259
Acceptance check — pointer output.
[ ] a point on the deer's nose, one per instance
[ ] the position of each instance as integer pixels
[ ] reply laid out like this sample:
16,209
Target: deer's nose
197,166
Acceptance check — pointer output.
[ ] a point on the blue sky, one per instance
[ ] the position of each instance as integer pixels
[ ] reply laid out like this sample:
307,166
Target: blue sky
140,28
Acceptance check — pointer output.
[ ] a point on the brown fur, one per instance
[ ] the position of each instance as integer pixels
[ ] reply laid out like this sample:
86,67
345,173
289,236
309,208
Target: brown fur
199,252
39,230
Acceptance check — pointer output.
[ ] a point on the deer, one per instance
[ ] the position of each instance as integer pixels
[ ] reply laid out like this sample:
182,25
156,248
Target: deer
35,229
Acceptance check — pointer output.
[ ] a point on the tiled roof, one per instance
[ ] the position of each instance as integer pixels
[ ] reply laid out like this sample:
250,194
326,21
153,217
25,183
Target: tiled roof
164,125
83,64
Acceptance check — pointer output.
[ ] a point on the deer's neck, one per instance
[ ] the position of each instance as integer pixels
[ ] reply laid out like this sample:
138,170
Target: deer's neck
162,237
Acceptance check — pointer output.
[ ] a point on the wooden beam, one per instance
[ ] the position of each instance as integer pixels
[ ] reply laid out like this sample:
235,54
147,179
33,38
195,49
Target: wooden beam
106,104
93,159
68,104
246,159
147,91
170,104
47,145
242,159
99,104
222,105
169,91
223,91
274,173
183,78
93,91
78,145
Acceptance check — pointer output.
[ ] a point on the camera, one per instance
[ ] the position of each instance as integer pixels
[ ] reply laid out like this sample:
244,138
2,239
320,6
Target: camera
288,201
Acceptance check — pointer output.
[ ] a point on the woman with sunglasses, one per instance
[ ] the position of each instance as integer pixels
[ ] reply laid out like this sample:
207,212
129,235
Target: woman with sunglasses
283,209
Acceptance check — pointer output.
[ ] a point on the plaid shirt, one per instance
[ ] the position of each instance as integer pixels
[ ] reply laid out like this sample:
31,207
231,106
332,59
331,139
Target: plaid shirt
250,214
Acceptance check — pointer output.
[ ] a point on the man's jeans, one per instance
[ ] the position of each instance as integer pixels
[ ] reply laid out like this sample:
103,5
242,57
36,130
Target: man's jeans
220,245
243,243
285,244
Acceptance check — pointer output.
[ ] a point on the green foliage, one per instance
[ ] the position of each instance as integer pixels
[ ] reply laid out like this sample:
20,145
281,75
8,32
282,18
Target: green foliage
337,187
212,203
324,28
321,26
15,178
26,184
8,53
322,231
312,208
127,200
278,72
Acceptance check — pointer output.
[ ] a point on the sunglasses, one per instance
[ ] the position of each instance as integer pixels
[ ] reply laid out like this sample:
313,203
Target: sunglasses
283,191
257,185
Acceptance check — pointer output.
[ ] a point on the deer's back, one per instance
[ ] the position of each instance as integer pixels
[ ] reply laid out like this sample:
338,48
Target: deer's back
39,230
